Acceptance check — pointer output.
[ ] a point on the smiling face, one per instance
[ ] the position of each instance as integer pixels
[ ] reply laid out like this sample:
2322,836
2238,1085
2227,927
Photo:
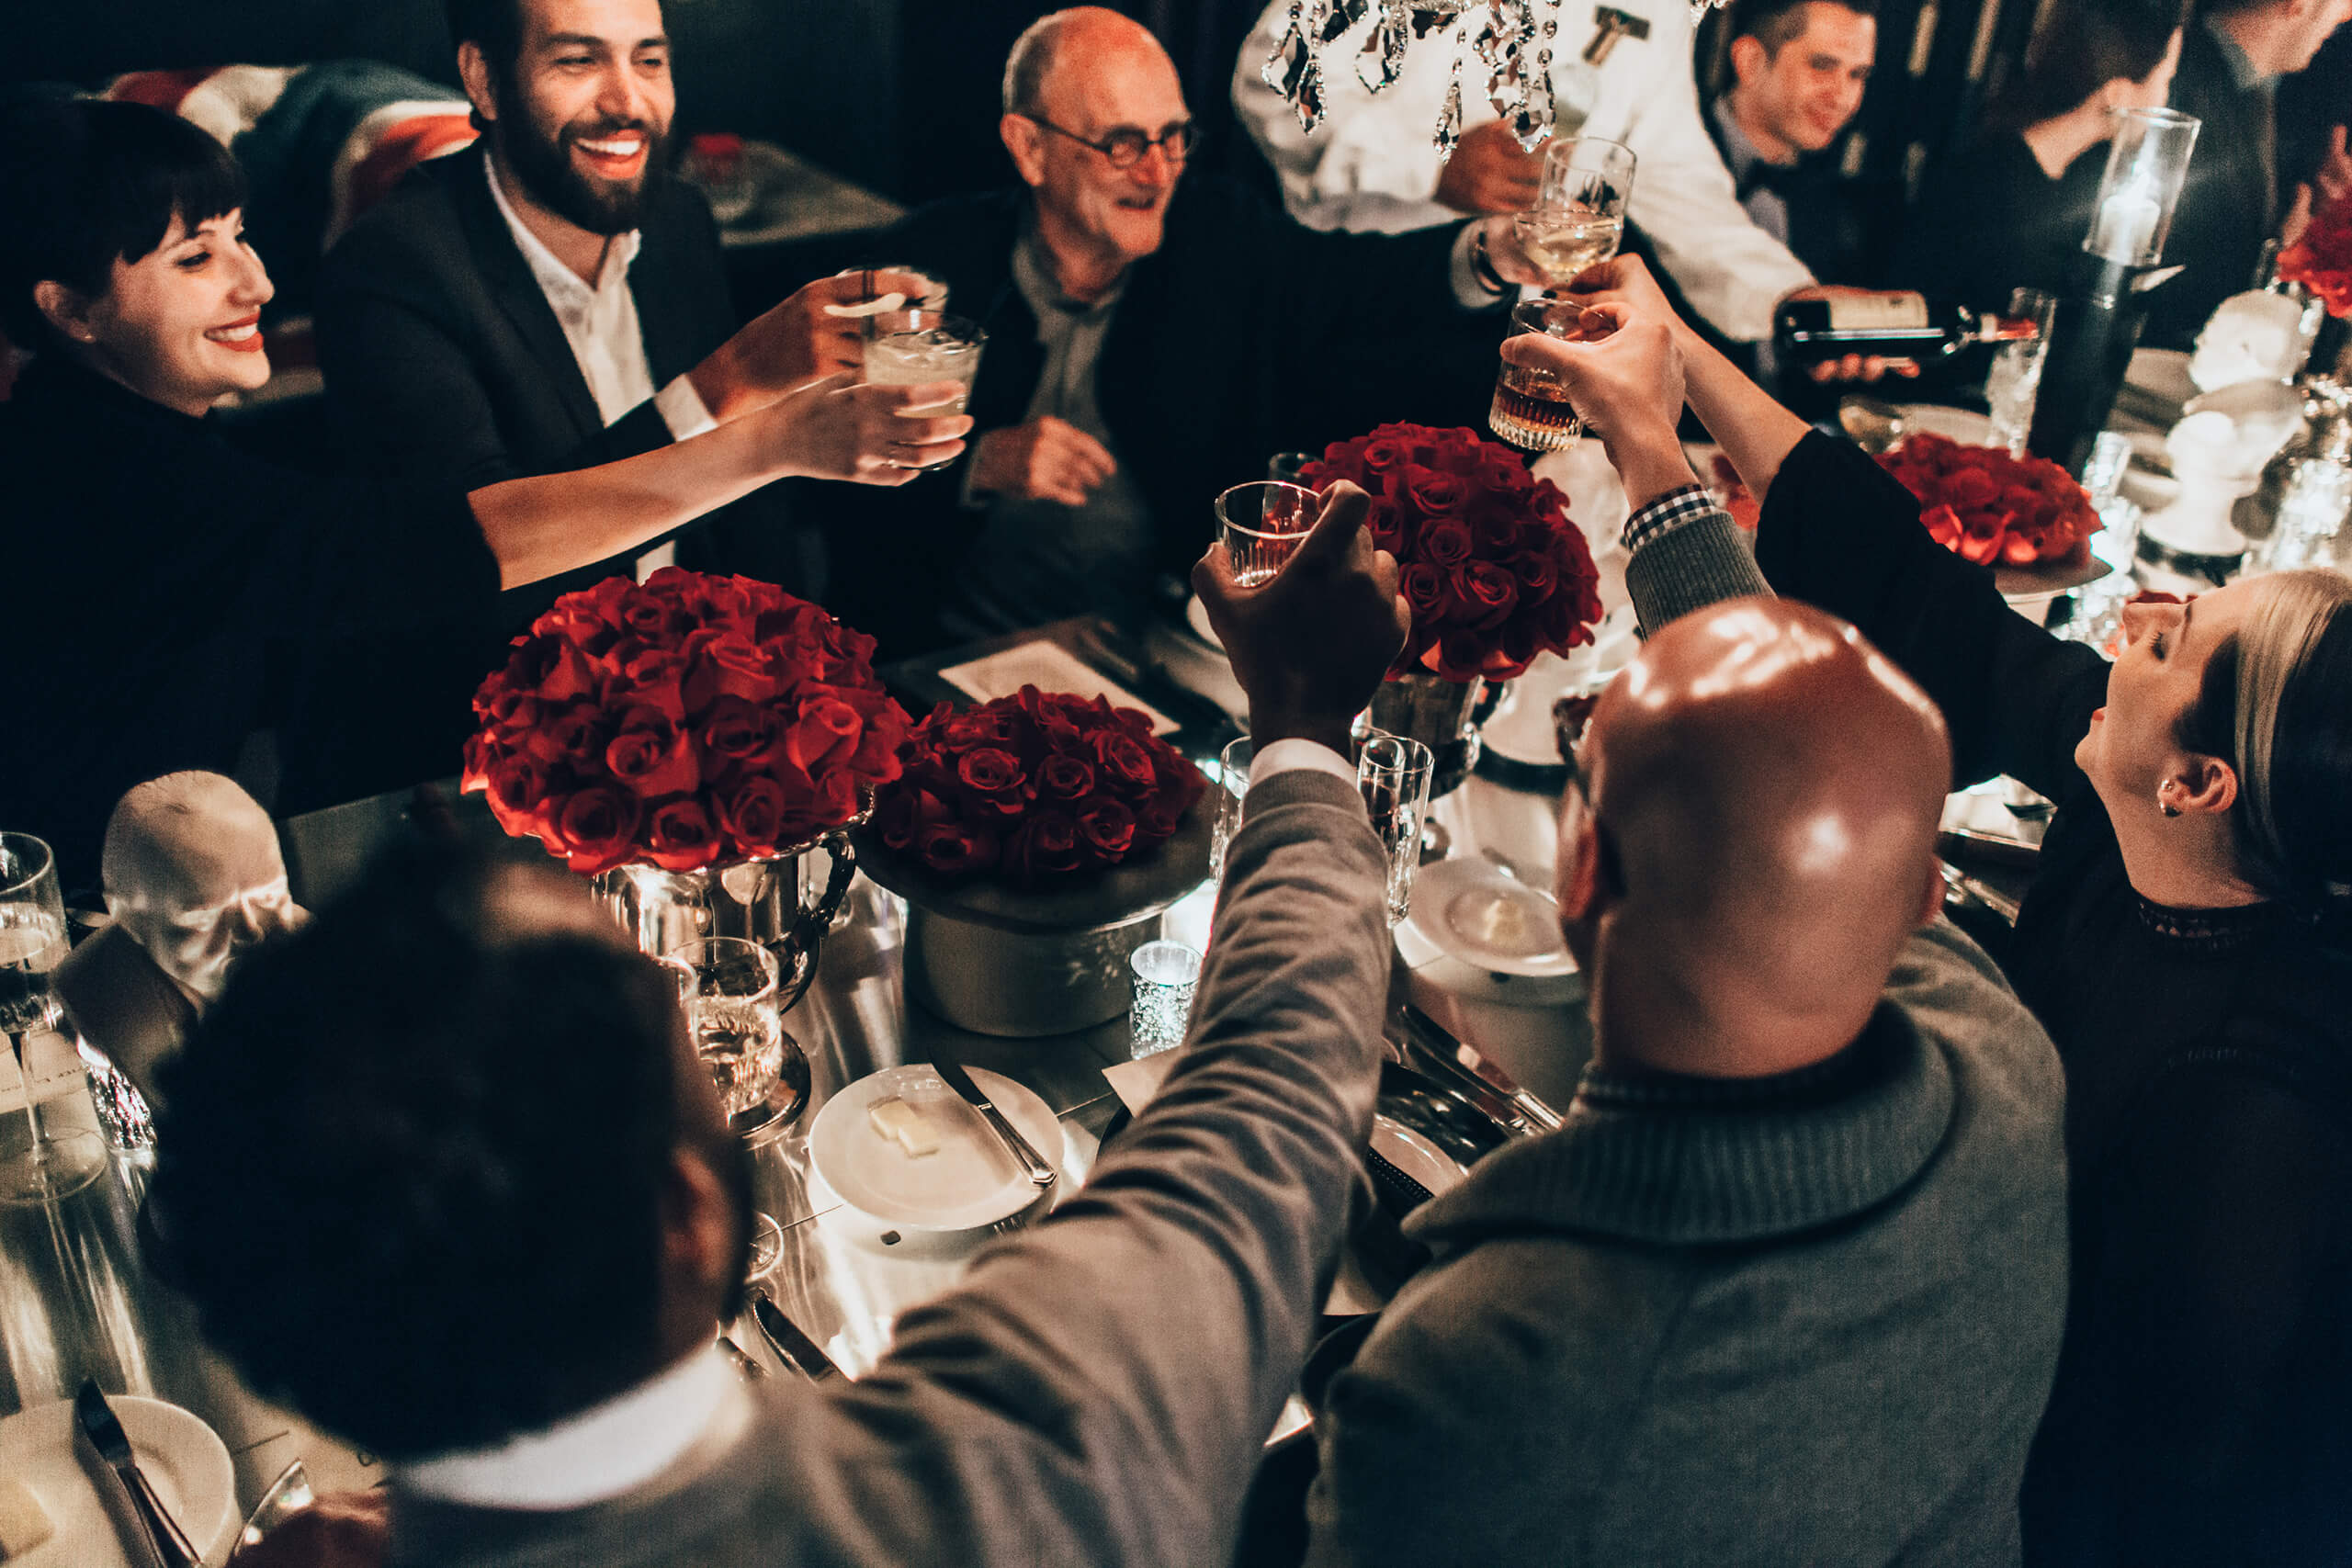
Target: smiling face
581,120
182,324
1798,99
1106,76
2132,748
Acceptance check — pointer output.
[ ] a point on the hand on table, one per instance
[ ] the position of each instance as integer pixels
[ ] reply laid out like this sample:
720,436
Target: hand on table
1489,171
1046,460
876,436
1310,645
1625,379
795,343
342,1529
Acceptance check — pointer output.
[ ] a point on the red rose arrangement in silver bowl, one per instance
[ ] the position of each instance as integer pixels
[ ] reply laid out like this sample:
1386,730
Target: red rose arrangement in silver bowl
2321,257
1986,506
1495,571
1036,787
691,722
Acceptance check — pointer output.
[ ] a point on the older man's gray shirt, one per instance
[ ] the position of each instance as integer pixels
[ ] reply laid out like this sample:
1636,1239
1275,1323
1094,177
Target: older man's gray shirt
1803,1320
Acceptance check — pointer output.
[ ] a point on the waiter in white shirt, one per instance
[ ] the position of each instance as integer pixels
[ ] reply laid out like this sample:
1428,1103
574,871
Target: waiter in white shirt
1620,71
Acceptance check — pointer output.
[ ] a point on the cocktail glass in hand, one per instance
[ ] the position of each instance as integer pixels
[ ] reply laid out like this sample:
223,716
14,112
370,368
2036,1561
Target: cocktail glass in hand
1578,218
1532,408
908,348
731,988
1261,524
53,1162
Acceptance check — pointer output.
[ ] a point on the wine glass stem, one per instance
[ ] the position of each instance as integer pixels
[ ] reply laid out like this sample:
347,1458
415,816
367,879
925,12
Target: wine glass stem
25,1086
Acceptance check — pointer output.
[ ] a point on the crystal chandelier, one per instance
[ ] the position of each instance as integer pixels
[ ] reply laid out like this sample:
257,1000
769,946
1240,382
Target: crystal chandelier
1511,43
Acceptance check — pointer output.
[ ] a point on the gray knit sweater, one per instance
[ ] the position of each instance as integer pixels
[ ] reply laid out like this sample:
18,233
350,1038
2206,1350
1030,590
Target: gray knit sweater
1804,1320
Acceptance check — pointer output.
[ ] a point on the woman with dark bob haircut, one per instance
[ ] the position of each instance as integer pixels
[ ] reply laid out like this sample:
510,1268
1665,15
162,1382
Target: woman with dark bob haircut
2011,209
165,588
2185,941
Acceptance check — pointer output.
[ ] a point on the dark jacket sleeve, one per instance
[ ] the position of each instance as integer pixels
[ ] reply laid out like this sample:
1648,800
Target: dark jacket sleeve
399,341
1839,531
1101,1388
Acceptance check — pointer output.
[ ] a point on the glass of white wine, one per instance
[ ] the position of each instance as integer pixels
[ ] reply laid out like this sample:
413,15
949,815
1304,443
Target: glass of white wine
1578,218
49,1162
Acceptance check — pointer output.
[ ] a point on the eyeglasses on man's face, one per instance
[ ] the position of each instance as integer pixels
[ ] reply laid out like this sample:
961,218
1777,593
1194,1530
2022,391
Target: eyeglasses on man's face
1126,145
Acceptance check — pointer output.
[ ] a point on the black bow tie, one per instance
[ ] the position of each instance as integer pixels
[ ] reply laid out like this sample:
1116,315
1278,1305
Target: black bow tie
1782,179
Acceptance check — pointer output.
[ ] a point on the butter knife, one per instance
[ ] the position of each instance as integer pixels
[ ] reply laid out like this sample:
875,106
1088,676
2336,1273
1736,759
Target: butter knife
1032,1162
799,1351
100,1425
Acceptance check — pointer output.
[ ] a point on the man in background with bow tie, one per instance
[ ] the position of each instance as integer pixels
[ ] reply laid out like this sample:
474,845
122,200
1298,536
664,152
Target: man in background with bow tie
1798,71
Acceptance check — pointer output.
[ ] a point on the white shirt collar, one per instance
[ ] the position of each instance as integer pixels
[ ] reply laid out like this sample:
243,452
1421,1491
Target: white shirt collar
559,282
602,1452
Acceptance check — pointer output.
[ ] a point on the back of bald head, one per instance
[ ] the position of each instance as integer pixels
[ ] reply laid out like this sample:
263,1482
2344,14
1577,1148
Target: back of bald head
1080,34
1772,784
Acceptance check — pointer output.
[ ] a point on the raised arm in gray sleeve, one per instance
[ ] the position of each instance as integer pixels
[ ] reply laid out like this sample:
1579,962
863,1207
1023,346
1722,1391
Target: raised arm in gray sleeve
1099,1391
1686,553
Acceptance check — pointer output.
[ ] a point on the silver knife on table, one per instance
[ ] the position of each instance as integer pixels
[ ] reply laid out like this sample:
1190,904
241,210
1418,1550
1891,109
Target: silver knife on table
799,1351
103,1428
1032,1162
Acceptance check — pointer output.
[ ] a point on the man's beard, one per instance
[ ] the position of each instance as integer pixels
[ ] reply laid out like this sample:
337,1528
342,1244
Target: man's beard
544,167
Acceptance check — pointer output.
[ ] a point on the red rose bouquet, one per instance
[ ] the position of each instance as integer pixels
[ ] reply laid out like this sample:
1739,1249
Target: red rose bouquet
689,722
1988,507
1038,786
1495,571
2321,257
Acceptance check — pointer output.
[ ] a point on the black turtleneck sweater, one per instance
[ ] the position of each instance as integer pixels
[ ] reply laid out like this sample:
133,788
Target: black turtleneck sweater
164,591
2203,1406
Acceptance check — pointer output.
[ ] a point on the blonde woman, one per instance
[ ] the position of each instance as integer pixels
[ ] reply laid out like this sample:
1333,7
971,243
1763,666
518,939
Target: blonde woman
2186,942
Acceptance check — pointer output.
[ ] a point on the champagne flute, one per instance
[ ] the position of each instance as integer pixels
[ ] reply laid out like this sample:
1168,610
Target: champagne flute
55,1162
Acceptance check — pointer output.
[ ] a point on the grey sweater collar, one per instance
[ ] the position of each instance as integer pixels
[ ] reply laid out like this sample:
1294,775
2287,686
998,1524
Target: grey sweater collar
1687,1161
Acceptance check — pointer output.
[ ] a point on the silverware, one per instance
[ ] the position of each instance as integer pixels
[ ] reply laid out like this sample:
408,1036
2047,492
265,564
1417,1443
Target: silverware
1031,1160
799,1352
751,1370
100,1425
1959,885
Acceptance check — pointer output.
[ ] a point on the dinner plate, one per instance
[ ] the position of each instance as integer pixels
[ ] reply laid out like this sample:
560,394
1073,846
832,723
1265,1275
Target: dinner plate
183,1459
970,1182
1476,931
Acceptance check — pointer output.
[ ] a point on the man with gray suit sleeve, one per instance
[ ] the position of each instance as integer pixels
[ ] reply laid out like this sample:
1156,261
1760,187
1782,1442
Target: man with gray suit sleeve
1787,1285
1096,1391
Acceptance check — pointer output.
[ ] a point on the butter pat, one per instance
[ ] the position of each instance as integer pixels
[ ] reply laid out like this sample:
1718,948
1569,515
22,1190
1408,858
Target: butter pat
913,1127
24,1523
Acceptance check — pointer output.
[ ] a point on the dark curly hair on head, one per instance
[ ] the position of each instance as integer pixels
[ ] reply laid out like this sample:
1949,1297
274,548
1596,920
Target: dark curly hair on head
411,1166
86,183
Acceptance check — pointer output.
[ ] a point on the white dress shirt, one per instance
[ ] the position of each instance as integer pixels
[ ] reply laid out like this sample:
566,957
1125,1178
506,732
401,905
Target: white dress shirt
600,1453
1372,165
600,323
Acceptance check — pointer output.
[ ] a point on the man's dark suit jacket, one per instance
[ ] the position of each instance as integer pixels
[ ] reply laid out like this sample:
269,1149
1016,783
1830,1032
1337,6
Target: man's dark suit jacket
2229,204
1243,335
443,358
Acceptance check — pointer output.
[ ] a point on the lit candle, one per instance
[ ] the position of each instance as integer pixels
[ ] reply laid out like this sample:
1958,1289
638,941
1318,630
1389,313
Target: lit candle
2126,229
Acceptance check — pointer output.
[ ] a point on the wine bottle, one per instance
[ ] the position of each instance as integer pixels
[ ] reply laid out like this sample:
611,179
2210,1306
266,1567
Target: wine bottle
1891,325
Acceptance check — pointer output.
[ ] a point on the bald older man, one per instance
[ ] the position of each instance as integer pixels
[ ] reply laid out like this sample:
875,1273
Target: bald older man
1788,1284
1153,338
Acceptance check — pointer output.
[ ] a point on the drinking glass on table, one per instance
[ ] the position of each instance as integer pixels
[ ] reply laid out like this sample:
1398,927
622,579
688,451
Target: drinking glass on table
2016,375
1530,407
54,1161
730,987
1394,774
908,348
1232,783
1578,218
1261,524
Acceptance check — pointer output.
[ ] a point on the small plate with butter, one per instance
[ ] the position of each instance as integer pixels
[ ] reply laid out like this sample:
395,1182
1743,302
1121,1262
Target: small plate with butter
903,1149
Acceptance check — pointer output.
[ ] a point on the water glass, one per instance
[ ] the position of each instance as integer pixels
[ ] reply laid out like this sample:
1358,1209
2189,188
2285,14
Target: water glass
1165,974
731,988
54,1162
2016,375
1530,407
1232,782
1261,524
1578,218
1394,774
908,348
